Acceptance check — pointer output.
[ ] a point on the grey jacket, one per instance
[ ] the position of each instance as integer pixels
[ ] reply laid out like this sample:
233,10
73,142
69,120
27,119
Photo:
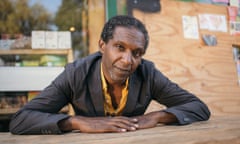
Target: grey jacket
80,85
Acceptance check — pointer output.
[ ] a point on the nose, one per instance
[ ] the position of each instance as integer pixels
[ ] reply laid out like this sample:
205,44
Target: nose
127,58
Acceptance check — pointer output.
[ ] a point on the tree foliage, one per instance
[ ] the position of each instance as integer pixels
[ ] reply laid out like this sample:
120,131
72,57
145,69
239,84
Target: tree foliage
70,15
16,16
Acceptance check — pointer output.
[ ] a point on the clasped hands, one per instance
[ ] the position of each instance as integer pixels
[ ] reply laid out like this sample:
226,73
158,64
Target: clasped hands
113,124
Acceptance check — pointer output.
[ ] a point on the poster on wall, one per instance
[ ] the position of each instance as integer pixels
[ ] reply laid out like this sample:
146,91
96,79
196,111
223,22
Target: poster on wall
234,20
190,27
236,57
213,22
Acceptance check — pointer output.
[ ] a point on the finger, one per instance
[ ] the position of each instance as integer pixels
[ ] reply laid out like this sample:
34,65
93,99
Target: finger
126,122
130,121
129,126
100,128
134,120
115,129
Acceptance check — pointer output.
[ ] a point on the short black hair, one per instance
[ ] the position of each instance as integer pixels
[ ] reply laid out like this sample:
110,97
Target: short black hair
125,21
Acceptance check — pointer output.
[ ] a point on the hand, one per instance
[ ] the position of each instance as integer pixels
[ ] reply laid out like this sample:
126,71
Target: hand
148,120
99,124
153,118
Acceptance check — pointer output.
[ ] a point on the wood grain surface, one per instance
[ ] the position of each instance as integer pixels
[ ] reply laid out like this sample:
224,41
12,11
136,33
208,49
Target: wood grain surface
218,130
207,71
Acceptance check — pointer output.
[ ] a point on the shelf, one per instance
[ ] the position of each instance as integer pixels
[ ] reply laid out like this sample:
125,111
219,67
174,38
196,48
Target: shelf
67,52
34,51
8,111
27,78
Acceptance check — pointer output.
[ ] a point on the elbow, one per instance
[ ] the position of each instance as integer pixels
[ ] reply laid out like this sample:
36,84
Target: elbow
14,131
15,126
207,113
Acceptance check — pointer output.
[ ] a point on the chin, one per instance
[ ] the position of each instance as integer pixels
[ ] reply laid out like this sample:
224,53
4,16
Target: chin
119,80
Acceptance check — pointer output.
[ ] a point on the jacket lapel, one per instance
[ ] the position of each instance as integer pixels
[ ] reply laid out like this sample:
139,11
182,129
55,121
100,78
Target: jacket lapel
95,89
133,94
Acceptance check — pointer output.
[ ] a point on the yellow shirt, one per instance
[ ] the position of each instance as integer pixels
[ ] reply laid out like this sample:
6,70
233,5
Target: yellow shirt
108,107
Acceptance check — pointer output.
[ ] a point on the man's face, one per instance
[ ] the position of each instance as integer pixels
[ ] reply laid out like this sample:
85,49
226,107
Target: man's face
122,54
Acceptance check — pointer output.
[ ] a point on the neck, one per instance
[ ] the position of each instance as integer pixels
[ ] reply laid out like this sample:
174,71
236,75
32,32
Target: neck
115,84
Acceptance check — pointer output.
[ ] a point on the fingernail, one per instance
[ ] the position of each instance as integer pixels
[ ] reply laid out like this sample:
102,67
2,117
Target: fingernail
136,125
135,120
133,128
123,130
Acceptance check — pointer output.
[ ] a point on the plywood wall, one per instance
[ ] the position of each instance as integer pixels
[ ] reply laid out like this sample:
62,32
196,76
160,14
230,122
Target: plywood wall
207,71
96,20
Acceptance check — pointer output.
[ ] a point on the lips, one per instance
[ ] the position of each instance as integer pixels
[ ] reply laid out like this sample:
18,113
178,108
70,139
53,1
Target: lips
123,71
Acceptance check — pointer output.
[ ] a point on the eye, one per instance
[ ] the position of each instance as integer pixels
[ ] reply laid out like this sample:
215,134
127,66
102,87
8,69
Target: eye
120,47
137,53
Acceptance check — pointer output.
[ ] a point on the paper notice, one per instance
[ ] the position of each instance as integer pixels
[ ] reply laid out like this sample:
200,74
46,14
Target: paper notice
190,27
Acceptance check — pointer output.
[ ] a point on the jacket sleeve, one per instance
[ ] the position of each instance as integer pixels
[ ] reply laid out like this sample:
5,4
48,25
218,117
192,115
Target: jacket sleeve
40,115
184,105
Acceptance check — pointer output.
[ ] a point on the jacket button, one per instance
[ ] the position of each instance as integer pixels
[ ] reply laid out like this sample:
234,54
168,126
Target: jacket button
186,119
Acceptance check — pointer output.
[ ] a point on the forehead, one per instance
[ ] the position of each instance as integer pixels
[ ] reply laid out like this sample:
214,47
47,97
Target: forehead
129,35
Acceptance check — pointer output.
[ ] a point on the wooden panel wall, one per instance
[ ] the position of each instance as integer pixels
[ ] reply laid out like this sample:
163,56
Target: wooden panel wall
96,20
208,72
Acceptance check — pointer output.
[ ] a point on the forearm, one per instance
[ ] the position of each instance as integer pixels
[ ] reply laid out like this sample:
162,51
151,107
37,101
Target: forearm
73,123
165,117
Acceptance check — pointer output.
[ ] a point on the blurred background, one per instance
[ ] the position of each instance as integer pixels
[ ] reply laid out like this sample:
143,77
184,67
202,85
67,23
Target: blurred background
39,37
21,17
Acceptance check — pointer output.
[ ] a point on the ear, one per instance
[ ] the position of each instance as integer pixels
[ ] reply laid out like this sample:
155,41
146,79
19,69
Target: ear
101,45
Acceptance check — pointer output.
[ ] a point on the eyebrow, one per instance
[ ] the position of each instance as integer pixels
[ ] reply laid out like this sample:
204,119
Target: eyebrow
123,43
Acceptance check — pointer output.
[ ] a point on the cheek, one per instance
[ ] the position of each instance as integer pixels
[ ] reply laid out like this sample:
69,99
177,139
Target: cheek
108,56
136,64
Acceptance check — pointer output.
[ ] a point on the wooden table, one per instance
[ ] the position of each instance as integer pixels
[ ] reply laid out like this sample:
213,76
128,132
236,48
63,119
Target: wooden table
218,130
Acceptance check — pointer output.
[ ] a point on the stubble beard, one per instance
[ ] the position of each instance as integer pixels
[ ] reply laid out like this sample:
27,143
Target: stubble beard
116,78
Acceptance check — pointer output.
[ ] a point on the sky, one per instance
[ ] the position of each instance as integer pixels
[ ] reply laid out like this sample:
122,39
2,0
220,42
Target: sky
50,5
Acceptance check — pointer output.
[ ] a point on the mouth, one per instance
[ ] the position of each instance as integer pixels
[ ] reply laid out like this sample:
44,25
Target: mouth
123,70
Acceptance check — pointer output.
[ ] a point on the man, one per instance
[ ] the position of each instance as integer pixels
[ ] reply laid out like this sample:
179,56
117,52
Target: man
110,90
